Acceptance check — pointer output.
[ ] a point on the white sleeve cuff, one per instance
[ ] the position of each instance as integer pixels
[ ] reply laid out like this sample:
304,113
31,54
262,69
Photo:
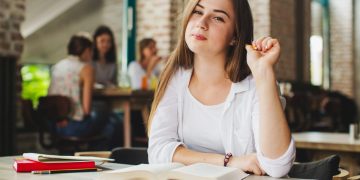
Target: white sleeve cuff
280,166
175,146
165,154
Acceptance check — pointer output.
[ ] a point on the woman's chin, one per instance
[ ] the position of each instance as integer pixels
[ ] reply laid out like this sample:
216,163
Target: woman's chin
200,50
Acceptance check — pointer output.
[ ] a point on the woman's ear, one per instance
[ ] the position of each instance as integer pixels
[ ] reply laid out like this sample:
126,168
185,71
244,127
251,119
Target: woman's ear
233,42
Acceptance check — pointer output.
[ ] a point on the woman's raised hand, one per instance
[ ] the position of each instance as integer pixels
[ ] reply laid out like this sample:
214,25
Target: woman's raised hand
262,55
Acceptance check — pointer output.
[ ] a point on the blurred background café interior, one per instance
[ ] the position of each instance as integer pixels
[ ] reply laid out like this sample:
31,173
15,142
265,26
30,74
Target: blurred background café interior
317,72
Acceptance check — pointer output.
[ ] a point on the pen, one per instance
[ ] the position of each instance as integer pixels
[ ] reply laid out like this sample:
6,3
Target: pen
63,171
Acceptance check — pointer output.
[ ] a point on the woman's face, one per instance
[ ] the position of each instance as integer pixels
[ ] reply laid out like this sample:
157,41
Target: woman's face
150,50
86,56
211,27
103,43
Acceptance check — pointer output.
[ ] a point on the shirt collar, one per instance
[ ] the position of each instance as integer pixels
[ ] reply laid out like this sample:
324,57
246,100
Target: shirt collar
242,85
72,57
238,87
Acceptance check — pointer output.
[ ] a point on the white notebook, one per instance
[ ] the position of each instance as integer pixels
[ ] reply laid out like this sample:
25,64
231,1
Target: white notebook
47,158
198,171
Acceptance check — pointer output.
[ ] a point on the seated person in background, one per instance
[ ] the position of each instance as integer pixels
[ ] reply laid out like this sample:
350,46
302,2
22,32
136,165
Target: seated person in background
217,100
104,57
74,77
147,66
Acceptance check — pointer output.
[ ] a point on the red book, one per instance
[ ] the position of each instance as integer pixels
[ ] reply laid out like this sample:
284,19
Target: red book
25,165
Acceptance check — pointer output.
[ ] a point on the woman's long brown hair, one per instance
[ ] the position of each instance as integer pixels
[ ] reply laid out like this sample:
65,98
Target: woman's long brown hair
235,66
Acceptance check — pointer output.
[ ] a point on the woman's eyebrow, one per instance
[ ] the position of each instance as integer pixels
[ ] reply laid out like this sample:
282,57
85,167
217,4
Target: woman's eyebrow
215,10
221,11
200,5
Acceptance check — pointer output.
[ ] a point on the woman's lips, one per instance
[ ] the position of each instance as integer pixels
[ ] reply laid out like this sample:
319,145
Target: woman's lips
199,37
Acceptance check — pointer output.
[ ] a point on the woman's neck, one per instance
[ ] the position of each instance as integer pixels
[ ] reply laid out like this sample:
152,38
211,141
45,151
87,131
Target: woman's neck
209,70
209,83
145,62
102,58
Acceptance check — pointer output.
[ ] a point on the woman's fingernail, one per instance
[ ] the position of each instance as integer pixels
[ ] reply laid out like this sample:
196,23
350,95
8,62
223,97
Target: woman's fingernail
254,47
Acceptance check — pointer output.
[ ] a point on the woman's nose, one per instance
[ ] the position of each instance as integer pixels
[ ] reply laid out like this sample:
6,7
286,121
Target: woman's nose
202,24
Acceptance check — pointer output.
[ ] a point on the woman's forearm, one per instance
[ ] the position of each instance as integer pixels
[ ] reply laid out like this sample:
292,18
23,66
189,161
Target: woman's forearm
87,100
246,162
274,131
150,69
187,156
87,76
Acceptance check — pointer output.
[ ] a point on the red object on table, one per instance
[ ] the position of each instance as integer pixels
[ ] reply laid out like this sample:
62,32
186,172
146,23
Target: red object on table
25,165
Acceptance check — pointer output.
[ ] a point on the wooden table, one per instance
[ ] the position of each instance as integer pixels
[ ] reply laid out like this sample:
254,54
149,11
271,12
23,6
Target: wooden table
7,172
326,141
127,100
322,144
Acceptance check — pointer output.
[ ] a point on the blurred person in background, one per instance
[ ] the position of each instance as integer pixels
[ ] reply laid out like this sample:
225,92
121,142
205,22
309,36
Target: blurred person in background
148,66
104,57
74,77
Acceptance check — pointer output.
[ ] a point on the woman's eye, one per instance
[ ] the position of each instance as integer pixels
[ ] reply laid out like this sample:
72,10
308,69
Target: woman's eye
197,12
220,19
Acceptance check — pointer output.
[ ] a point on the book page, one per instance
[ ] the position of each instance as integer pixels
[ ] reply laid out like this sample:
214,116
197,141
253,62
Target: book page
47,157
153,168
203,171
142,171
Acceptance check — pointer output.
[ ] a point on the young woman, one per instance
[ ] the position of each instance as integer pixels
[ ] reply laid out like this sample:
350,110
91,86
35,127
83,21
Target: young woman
104,57
148,65
217,101
74,77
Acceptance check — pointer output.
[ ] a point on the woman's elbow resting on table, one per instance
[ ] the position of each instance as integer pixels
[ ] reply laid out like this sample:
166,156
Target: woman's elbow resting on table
280,166
278,172
161,152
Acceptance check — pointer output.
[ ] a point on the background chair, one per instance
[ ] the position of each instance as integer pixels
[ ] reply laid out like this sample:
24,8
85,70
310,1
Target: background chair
140,105
312,108
28,115
131,156
56,109
323,169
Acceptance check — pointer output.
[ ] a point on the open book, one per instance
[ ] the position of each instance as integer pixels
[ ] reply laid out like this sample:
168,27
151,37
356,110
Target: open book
198,171
53,158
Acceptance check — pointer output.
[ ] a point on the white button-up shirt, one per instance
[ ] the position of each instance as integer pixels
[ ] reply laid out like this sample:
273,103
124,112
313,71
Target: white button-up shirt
239,127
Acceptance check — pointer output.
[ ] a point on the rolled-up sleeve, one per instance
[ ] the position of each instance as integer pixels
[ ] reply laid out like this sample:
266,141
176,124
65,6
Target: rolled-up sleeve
280,166
163,137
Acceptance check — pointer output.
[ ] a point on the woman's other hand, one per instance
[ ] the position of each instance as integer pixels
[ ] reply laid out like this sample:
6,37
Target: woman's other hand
247,163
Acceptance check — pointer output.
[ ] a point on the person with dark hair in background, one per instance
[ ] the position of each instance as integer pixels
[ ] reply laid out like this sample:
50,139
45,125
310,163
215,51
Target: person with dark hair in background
104,63
74,77
104,57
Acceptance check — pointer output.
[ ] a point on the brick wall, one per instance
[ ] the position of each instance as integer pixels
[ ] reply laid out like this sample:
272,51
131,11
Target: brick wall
11,45
341,46
283,28
155,20
261,14
11,16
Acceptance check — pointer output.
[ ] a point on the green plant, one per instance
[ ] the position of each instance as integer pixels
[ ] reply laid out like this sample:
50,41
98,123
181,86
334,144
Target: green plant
36,81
